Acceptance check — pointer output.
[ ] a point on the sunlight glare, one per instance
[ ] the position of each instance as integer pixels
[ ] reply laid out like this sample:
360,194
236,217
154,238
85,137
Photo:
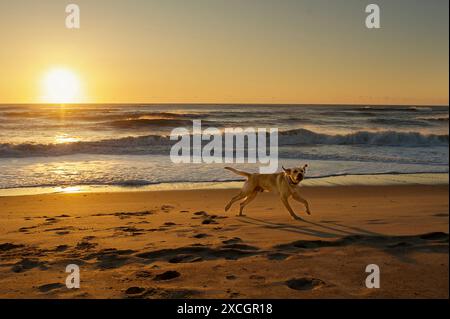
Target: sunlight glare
65,138
61,86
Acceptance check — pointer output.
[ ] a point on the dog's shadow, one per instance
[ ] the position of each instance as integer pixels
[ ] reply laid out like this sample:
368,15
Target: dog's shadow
396,246
305,227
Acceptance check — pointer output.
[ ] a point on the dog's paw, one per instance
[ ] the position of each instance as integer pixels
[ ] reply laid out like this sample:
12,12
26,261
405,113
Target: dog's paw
308,212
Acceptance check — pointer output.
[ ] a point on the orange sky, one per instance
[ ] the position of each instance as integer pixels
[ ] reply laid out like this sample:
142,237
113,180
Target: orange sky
229,51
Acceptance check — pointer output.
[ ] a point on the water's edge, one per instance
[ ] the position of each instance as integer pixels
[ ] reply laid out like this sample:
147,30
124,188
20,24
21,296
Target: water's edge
331,181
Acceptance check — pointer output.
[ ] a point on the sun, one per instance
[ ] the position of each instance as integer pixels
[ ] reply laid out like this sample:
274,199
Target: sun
61,85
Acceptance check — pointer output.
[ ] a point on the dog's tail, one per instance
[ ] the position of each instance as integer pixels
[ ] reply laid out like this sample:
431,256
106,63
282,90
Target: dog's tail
238,172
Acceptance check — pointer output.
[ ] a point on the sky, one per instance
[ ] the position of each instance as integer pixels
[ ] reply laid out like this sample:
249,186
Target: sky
229,51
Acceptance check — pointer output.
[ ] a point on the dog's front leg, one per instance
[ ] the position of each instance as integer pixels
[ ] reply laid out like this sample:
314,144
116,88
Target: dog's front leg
300,199
289,208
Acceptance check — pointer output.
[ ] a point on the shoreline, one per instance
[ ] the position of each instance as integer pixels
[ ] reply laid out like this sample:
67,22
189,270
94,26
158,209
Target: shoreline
378,179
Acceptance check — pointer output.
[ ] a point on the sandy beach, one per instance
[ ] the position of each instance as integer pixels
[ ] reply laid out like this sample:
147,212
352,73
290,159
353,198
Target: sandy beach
126,129
181,244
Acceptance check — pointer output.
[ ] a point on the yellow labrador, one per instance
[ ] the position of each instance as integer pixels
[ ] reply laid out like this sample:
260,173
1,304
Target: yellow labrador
285,184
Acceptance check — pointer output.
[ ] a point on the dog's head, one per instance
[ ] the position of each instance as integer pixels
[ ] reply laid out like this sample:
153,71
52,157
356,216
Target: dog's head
296,174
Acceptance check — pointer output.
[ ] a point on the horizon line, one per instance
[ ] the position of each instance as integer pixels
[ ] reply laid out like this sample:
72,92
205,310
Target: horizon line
225,103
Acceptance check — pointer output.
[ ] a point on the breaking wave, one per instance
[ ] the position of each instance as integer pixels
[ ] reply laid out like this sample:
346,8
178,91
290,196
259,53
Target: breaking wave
158,144
384,138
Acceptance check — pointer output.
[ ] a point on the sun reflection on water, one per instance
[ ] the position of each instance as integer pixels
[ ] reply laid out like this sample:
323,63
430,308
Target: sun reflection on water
65,138
70,189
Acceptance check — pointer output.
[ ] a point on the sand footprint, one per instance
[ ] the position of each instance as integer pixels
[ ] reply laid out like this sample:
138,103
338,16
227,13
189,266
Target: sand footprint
305,283
167,275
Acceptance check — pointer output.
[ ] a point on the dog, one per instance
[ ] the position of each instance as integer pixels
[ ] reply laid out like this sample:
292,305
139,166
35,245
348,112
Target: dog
284,184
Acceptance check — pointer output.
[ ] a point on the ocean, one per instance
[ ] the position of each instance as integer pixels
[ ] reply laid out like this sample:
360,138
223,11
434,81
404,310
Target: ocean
45,146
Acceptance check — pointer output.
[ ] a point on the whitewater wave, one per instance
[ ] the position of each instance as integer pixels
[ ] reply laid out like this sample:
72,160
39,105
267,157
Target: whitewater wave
96,115
158,144
403,122
147,122
151,144
397,108
434,119
383,138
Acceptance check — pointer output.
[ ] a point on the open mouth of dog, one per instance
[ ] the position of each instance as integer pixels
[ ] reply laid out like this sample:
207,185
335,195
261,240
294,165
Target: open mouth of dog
295,181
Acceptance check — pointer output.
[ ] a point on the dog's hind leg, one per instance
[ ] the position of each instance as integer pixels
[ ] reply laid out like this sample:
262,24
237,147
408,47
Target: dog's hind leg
239,196
289,208
247,201
246,190
300,199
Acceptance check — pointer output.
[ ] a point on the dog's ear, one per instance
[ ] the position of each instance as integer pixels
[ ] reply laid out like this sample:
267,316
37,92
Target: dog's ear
286,170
